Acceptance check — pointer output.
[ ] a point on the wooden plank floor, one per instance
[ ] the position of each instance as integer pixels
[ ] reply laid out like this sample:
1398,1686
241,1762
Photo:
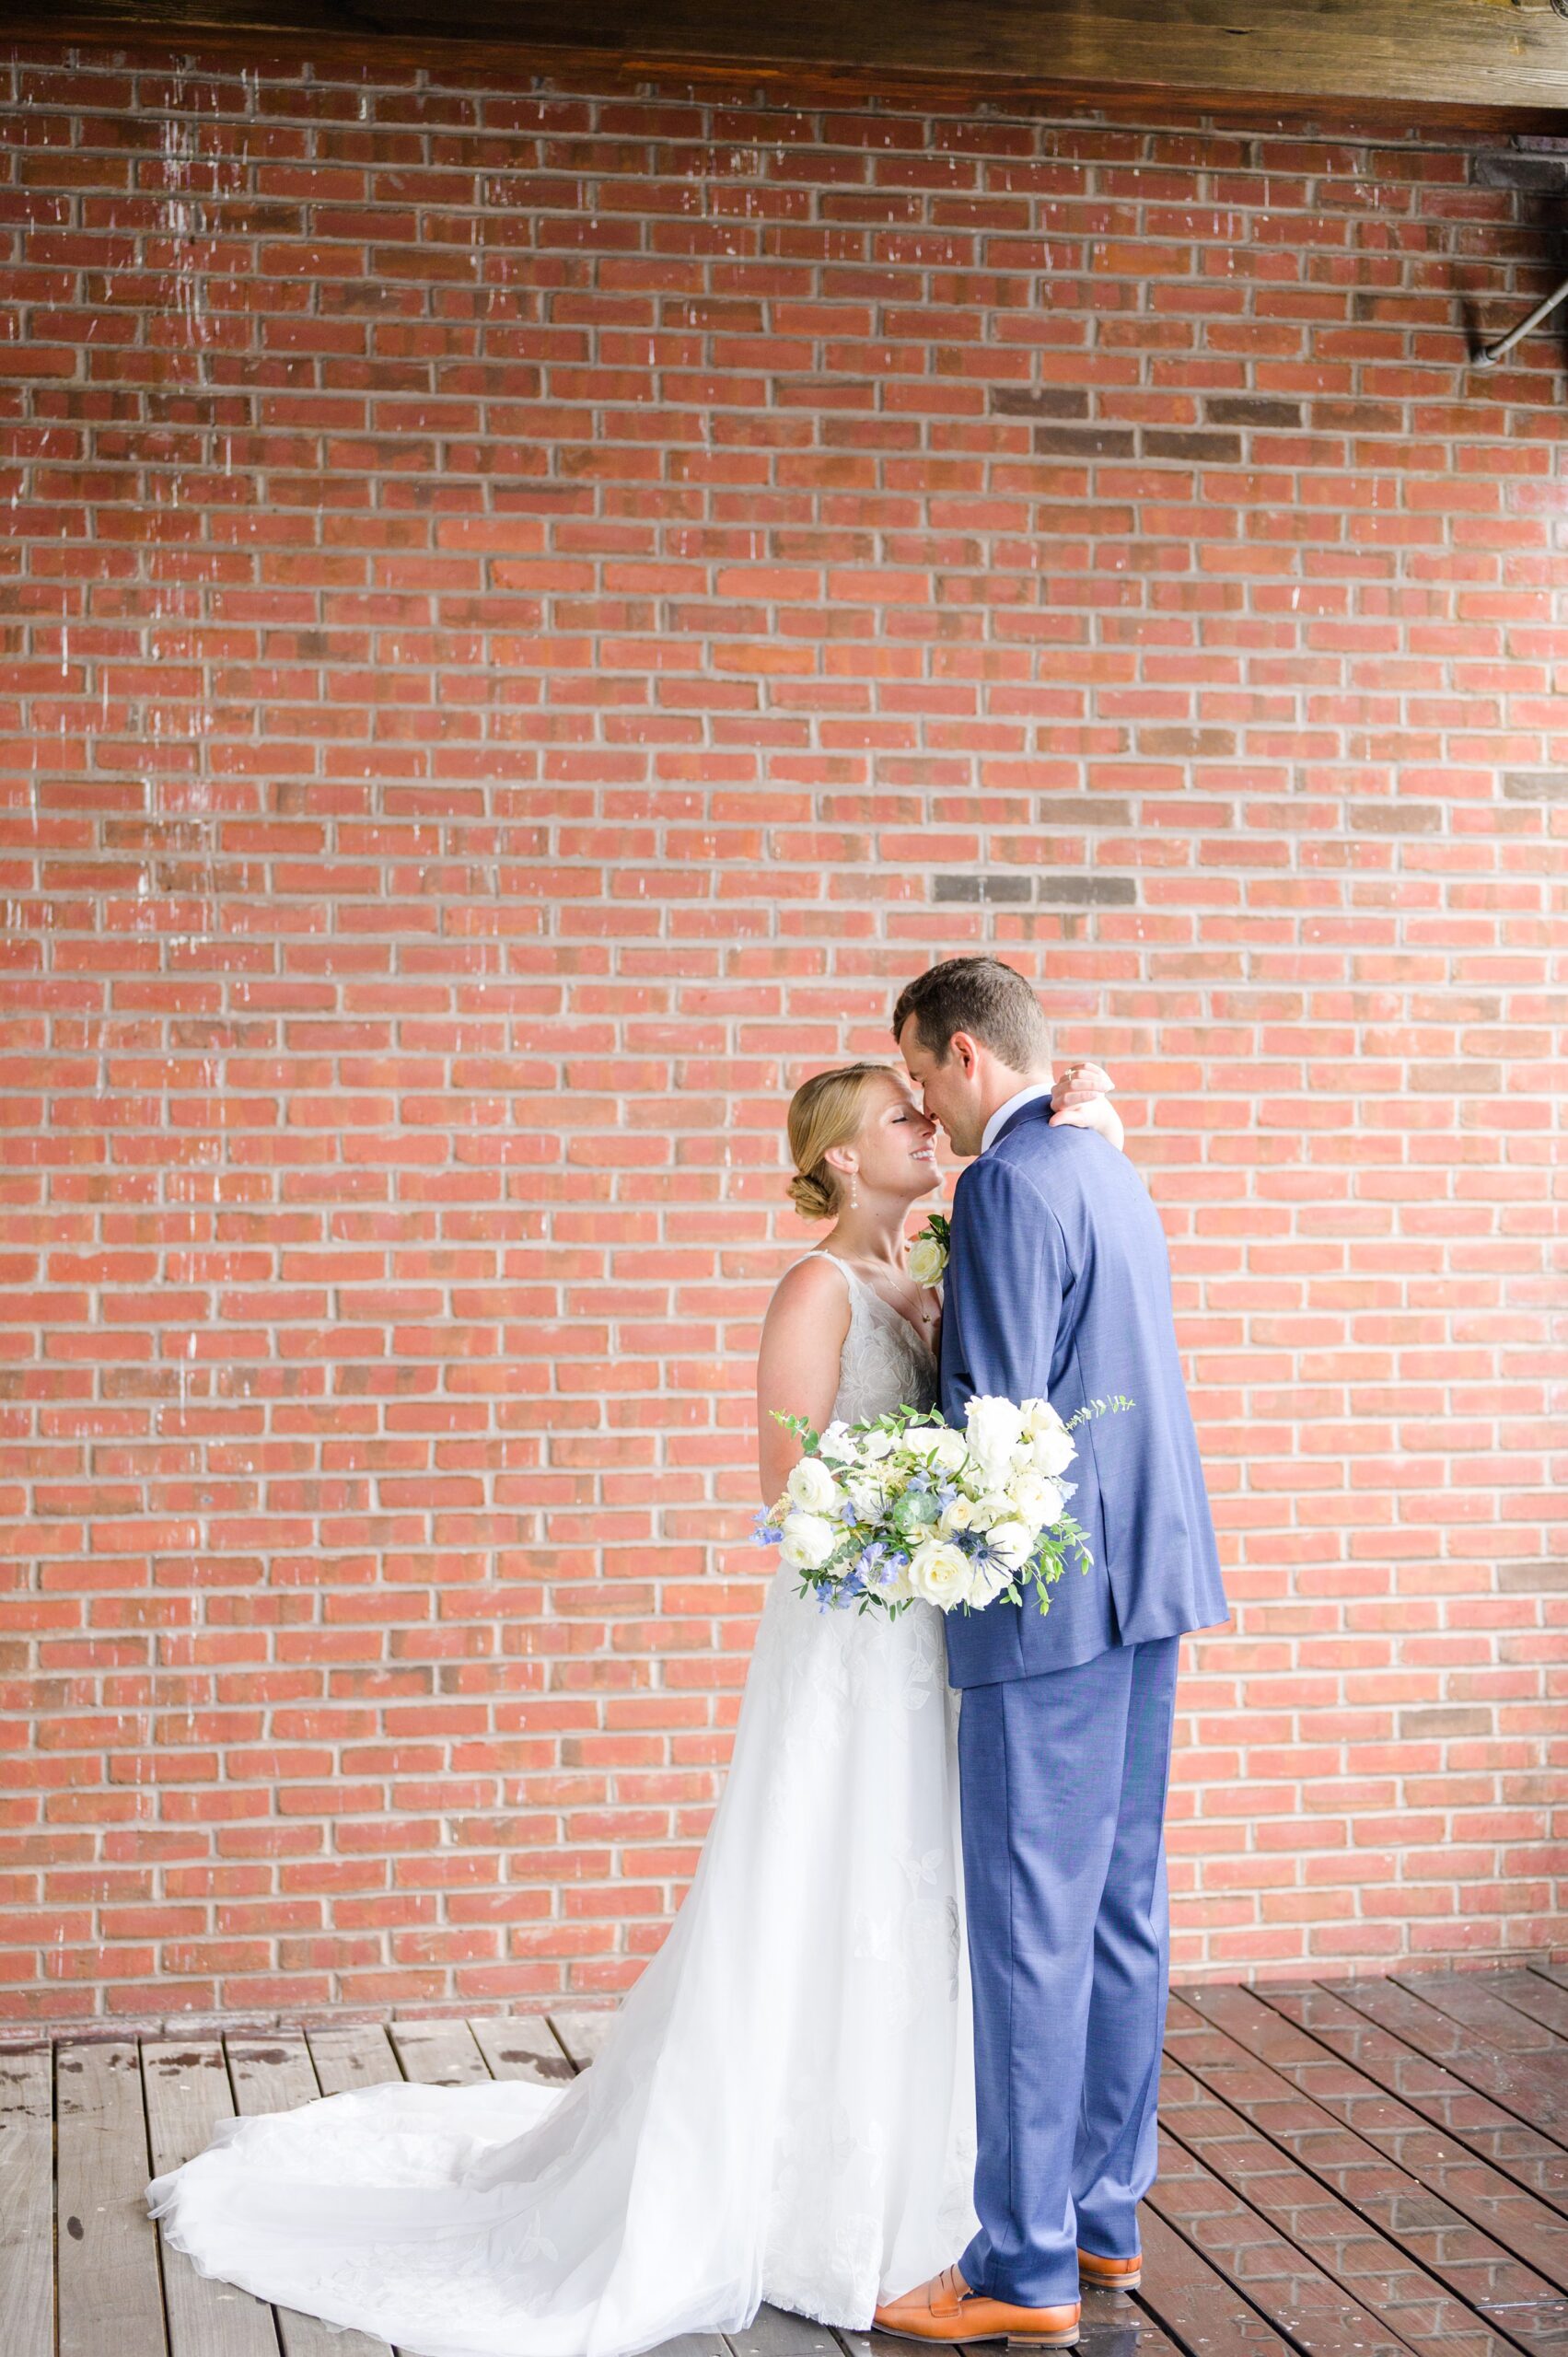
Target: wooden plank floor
1363,2169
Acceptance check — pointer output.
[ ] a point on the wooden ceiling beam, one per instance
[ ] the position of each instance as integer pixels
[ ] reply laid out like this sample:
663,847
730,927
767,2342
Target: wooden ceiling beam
1488,61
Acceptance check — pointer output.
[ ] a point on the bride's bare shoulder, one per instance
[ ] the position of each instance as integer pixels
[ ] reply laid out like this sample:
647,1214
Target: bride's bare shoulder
815,1289
798,1360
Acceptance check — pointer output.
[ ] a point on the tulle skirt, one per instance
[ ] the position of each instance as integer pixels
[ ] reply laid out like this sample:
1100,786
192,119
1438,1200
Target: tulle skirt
784,2110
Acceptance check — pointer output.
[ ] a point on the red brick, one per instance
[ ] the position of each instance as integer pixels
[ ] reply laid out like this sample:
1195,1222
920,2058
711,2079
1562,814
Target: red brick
453,787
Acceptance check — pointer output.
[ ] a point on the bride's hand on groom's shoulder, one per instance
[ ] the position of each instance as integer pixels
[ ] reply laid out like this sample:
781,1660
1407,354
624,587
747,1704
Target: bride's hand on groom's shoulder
1081,1100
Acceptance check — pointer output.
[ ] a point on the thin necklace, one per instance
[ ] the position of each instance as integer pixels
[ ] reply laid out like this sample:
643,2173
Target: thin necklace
918,1293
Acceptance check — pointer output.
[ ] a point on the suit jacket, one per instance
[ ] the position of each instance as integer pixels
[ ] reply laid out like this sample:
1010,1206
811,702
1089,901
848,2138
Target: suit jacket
1058,1286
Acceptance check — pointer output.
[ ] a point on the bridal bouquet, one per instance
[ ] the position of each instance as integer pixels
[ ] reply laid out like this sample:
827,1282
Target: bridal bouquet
905,1505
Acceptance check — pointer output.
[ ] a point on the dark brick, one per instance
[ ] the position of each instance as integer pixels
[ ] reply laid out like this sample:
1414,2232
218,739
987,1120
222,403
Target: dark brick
981,888
1443,1719
1093,810
1089,891
1250,409
1395,817
1039,400
1532,1579
1085,441
1535,785
1197,442
1530,172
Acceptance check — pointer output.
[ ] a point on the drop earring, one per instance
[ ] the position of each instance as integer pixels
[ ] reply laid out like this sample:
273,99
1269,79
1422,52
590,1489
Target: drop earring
853,1193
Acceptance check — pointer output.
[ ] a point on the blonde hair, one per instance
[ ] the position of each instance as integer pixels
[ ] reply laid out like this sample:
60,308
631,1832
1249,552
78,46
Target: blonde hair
826,1111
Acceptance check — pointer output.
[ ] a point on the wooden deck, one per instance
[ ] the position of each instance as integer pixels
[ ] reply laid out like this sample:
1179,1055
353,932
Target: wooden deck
1354,2169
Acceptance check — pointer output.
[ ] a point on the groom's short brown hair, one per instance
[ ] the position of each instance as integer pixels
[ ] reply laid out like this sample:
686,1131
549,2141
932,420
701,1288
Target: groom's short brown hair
983,997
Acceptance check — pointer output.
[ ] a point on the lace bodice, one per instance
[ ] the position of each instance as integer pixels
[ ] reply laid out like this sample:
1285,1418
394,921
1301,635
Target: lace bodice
884,1363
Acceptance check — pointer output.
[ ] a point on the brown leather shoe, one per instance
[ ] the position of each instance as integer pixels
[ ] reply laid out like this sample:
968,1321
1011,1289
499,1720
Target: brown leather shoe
1110,2274
945,2309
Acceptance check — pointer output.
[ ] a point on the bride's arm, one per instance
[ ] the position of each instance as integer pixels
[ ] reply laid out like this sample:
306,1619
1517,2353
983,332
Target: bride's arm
797,1363
1081,1100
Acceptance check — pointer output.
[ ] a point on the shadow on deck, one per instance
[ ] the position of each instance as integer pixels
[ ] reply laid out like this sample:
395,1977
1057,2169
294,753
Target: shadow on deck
1351,2169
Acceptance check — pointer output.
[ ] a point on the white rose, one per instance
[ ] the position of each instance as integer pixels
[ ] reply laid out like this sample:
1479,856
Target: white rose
808,1540
985,1587
812,1487
940,1573
926,1260
994,1429
1051,1452
960,1515
990,1506
835,1444
951,1452
867,1499
924,1441
1035,1500
1050,1445
1012,1541
875,1446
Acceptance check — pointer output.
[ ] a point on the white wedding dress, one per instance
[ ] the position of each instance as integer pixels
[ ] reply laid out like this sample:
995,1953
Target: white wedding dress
785,2108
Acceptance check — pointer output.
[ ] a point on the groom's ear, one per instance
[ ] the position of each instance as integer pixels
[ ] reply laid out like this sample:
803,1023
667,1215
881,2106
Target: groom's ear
965,1047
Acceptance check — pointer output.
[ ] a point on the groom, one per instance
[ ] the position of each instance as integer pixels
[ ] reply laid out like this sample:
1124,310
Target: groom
1058,1286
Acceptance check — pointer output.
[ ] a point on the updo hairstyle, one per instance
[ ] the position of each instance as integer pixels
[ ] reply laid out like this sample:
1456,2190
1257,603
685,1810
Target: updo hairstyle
826,1111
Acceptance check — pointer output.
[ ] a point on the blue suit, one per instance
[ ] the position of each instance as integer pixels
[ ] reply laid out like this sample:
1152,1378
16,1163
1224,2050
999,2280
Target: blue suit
1058,1286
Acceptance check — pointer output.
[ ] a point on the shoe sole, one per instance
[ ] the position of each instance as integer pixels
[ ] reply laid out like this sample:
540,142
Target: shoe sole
1112,2282
1068,2340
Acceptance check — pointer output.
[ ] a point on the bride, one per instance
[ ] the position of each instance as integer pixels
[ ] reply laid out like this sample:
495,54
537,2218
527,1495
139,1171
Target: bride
784,2110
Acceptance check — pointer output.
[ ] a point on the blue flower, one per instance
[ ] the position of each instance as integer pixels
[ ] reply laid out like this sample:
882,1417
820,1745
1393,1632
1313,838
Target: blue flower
867,1562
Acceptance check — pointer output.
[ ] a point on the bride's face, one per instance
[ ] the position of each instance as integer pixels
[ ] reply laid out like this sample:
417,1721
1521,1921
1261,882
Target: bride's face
894,1152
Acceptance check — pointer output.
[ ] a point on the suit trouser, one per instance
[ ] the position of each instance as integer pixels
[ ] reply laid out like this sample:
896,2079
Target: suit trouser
1063,1786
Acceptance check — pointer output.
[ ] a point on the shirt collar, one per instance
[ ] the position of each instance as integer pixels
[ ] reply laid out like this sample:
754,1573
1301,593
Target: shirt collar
1005,1112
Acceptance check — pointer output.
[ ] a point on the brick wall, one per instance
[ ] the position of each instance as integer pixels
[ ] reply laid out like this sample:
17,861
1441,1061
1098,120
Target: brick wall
526,613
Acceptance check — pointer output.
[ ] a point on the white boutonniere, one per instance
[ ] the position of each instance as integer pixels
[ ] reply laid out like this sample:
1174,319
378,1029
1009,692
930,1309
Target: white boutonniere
928,1253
